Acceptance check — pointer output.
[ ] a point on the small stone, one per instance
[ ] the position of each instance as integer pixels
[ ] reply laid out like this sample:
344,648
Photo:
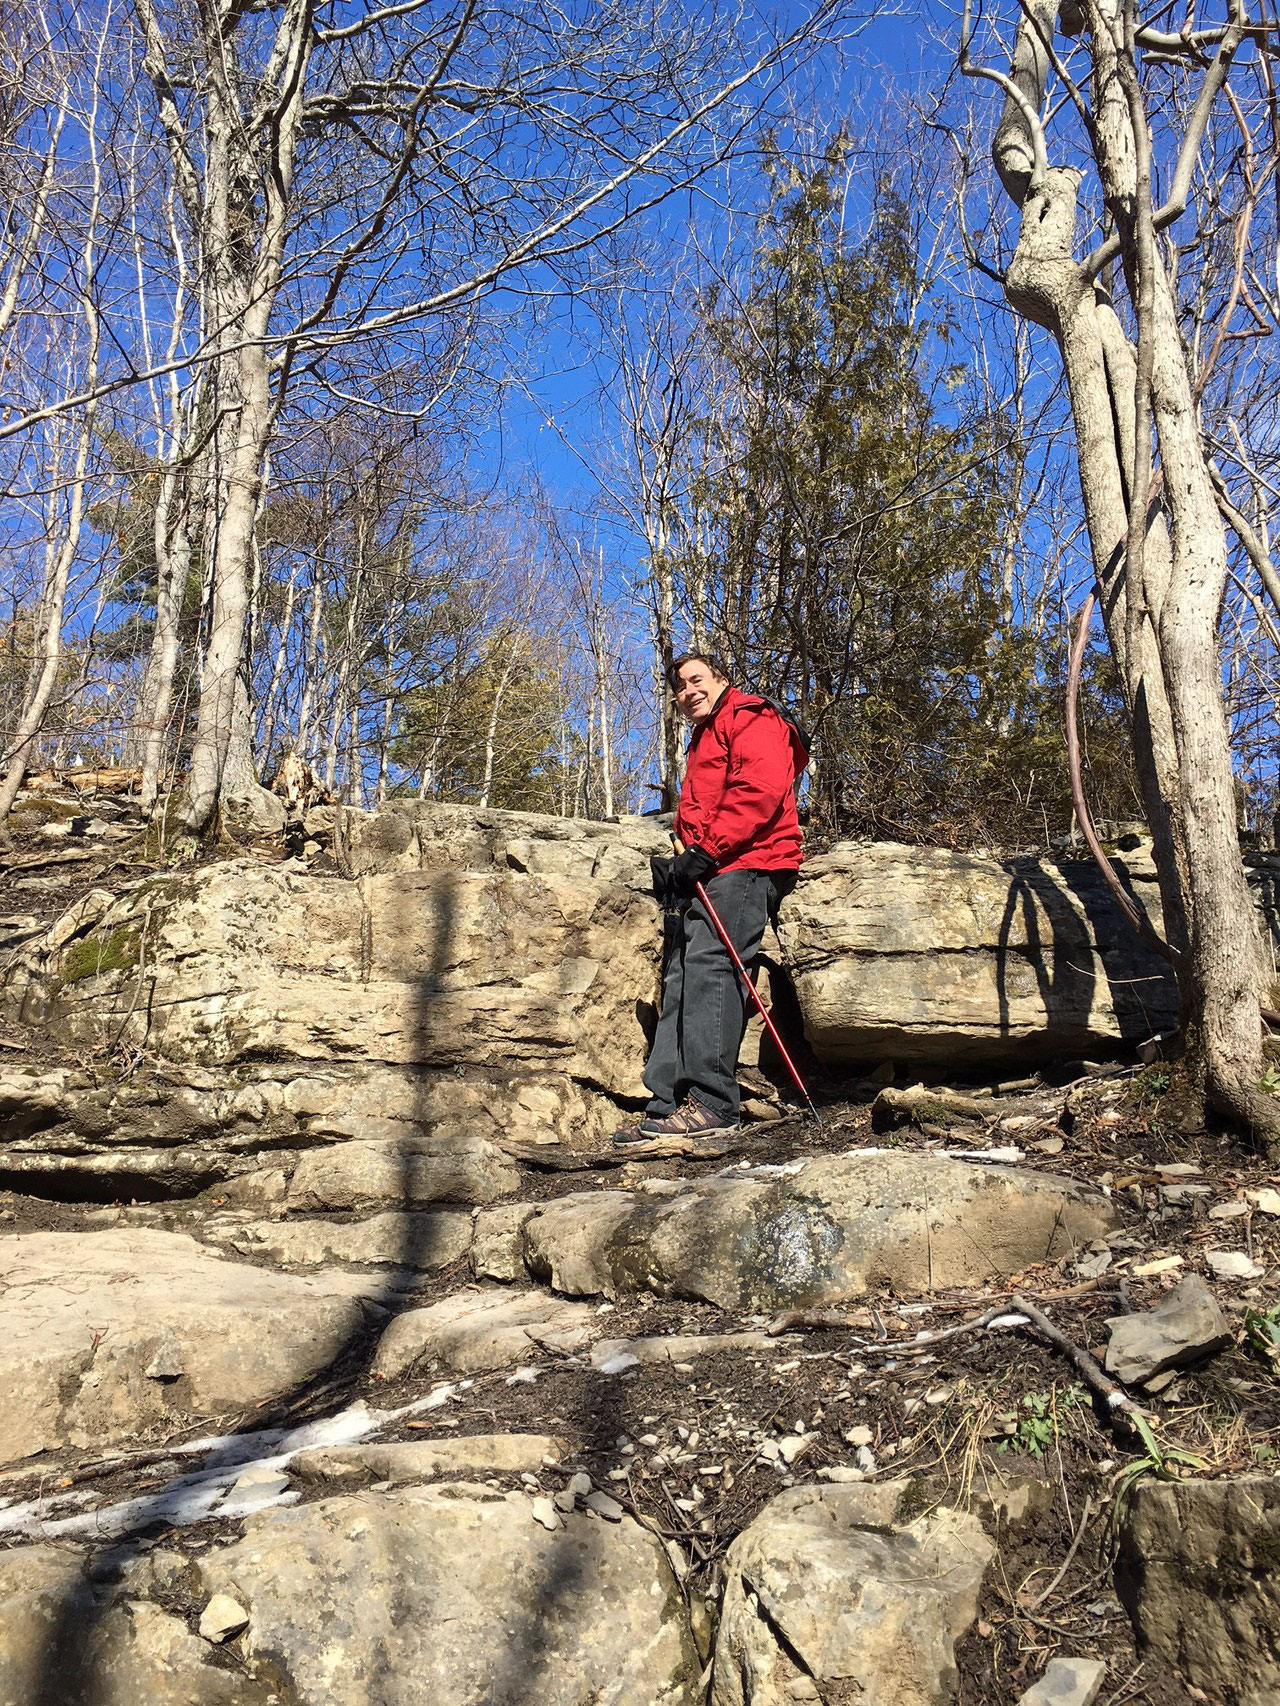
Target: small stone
604,1506
865,1459
1067,1682
770,1449
1158,1265
564,1500
580,1484
858,1436
222,1618
1228,1210
793,1448
802,1688
545,1512
1233,1264
1265,1199
166,1364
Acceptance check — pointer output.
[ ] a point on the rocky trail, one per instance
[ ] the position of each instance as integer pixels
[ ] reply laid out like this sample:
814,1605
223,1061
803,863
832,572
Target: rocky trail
345,1360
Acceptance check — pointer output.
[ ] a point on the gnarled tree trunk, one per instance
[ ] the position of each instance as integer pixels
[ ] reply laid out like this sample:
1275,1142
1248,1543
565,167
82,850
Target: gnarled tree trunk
1155,531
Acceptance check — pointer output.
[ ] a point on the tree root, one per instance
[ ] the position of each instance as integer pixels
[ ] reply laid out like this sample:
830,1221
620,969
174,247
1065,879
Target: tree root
1247,1107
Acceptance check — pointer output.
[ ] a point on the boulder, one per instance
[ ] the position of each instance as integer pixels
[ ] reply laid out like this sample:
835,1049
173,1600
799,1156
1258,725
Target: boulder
497,1243
838,1589
453,1595
921,954
1199,1574
516,975
474,1330
1186,1326
106,1334
62,1645
823,1232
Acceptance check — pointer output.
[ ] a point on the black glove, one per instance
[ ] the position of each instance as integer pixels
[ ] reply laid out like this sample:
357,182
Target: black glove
664,886
690,868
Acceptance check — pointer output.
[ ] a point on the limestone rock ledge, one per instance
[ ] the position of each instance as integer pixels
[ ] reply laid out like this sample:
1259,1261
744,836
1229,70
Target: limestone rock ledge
921,954
489,976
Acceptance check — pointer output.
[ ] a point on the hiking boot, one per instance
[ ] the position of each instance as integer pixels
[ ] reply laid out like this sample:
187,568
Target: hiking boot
691,1120
631,1136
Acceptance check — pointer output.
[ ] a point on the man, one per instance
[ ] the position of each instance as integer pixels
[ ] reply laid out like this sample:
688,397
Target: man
740,834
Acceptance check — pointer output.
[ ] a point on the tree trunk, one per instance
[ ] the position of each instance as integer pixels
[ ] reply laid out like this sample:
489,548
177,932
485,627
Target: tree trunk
155,700
1157,545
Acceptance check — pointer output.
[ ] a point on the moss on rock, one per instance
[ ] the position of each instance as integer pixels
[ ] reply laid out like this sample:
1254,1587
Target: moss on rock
97,954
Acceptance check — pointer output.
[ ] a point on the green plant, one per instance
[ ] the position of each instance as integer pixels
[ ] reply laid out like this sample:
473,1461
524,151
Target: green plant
1036,1419
1166,1463
1262,1335
1152,1083
1269,1083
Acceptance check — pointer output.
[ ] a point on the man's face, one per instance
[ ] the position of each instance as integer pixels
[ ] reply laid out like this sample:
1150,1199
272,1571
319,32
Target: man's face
699,691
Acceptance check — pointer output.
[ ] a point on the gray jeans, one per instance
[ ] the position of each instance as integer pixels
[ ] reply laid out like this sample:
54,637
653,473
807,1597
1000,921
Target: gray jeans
704,1003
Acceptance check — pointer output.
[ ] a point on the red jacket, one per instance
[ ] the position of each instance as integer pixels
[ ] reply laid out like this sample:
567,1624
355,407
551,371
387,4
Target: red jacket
738,800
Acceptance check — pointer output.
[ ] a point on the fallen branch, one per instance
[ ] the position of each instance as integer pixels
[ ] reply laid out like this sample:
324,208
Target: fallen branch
998,1315
1121,1409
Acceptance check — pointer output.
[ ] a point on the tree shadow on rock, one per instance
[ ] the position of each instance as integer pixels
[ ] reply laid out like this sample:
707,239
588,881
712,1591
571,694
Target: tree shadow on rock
68,1672
1060,965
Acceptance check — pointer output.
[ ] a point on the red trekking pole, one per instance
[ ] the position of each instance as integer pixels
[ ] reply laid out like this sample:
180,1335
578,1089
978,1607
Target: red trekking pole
752,991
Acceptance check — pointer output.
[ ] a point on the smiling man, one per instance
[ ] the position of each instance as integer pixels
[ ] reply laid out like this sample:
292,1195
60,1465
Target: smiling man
738,825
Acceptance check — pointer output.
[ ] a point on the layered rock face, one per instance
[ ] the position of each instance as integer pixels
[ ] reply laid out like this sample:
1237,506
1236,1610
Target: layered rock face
488,979
485,976
919,954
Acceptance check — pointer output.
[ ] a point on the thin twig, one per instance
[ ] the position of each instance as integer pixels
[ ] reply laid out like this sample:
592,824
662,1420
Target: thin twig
1085,1514
924,1341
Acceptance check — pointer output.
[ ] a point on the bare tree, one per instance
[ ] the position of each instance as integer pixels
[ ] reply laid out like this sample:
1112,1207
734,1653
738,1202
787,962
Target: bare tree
69,442
324,162
1158,547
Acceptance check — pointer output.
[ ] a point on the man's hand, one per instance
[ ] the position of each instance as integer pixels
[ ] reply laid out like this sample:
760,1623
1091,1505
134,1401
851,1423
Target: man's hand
692,866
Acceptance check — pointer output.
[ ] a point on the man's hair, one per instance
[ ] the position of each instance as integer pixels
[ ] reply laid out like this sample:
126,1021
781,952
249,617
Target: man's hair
713,662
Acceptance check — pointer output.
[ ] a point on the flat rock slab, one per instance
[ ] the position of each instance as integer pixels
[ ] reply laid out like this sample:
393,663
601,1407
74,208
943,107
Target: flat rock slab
455,1595
105,1333
400,1173
1188,1324
1199,1573
418,1242
405,1462
507,971
923,954
474,1330
836,1586
823,1233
